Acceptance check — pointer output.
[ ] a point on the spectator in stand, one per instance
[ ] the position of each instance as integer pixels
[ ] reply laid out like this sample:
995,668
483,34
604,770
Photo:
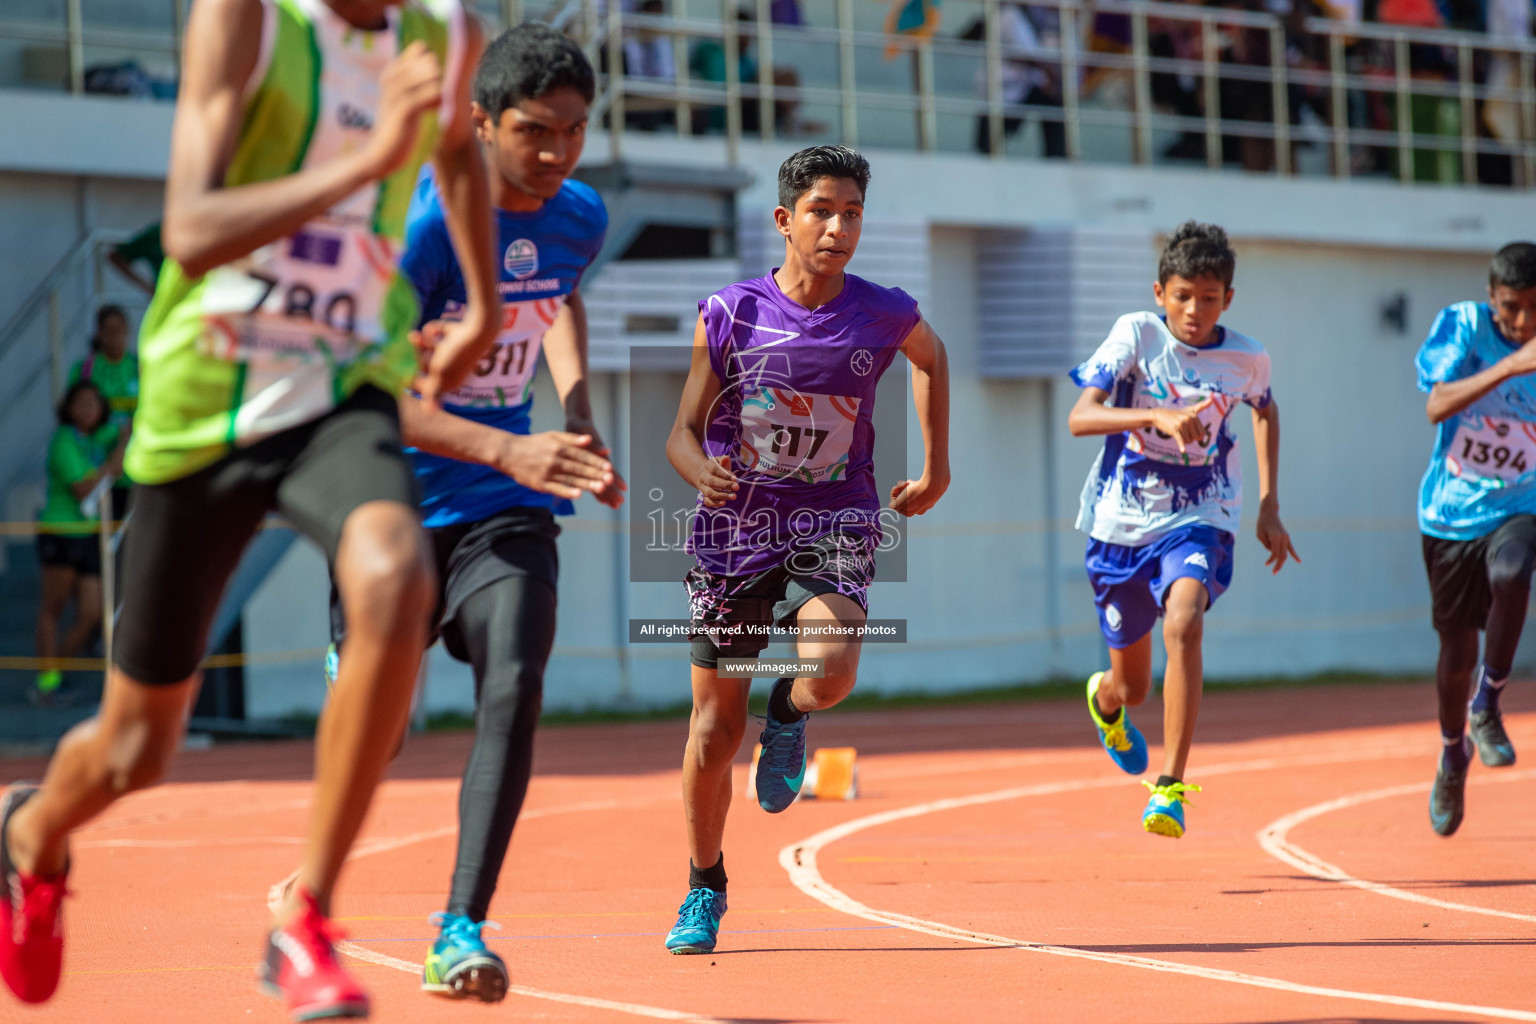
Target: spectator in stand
708,65
648,55
115,372
85,448
142,249
1179,93
1028,31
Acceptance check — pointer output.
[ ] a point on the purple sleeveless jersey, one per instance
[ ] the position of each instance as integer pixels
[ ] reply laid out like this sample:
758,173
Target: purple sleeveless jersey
795,417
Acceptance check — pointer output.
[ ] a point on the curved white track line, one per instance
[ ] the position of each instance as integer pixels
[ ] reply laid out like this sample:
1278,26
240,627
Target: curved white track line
1275,841
278,891
799,860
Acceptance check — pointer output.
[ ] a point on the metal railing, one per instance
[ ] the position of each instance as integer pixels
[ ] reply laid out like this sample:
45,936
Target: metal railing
1257,85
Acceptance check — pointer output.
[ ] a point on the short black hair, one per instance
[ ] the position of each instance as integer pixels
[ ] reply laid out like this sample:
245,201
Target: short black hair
69,399
1197,250
529,61
803,170
1514,266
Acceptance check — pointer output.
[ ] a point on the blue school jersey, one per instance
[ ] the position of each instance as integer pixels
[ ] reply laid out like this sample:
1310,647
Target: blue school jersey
1483,469
1141,487
543,255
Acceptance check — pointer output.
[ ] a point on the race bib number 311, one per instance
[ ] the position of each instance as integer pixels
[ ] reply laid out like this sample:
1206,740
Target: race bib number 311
1490,448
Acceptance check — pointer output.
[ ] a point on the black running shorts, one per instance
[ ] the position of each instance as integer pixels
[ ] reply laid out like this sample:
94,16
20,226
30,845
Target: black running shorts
70,551
1458,572
472,556
186,536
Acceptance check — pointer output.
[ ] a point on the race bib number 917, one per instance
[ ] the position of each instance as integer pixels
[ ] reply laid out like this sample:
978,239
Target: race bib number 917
796,434
1491,448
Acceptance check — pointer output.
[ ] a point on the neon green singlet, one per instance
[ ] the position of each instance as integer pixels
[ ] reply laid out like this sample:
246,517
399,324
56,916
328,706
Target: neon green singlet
278,338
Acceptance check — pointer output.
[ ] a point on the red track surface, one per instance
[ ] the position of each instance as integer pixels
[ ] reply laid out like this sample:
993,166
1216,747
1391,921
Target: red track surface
172,884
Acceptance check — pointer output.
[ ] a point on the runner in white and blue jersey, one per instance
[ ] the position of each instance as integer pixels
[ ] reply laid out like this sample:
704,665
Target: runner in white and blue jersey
490,491
1165,495
1477,511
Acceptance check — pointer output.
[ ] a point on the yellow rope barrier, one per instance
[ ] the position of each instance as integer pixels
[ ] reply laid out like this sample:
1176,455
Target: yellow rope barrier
213,661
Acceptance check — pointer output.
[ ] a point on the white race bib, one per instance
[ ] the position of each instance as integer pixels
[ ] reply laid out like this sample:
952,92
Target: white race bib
797,434
309,297
1491,448
1154,444
503,376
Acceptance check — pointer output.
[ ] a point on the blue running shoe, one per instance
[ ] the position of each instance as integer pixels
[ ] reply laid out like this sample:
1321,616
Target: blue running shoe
698,922
783,753
460,966
1124,742
1164,815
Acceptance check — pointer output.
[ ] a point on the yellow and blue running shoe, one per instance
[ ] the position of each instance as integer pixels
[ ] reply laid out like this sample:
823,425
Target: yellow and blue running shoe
460,966
1164,815
698,922
1123,741
783,753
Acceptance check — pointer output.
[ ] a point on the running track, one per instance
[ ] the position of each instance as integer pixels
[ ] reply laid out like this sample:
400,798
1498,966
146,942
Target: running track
993,870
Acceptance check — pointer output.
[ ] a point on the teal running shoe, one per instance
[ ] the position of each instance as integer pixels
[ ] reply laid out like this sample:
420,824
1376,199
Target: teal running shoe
783,754
1164,815
332,666
1487,730
1448,798
460,966
698,922
1122,740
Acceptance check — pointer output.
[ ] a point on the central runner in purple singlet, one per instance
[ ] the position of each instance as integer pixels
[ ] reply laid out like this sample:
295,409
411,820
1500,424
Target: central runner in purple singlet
775,432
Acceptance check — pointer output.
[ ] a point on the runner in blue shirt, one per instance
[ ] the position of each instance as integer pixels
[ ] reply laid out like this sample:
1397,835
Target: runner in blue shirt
1477,510
490,492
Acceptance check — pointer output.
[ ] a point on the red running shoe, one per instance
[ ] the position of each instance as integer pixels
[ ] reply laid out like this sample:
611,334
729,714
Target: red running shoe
31,918
301,969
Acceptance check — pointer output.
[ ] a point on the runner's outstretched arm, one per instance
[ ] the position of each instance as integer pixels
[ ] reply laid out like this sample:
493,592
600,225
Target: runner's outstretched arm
461,181
208,224
1266,447
1450,397
555,462
930,394
685,445
565,350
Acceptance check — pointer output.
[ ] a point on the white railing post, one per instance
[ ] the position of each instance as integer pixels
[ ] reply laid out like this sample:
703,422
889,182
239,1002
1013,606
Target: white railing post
845,52
101,494
928,111
767,105
1528,115
1339,107
1142,87
615,43
682,110
55,345
1281,91
1069,82
1210,70
511,13
1404,111
1465,88
994,58
75,28
732,82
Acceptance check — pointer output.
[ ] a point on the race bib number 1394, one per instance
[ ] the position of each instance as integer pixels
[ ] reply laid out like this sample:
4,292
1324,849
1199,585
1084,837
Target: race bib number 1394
1488,447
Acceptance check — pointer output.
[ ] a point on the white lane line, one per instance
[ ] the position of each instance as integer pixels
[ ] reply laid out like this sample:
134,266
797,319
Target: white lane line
276,894
799,861
1275,840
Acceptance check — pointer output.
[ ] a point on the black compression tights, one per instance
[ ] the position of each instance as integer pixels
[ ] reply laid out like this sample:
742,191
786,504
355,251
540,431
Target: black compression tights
508,629
1509,578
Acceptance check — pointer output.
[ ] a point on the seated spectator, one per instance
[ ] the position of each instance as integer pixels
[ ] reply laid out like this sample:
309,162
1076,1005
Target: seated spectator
1028,30
115,372
708,65
648,54
85,448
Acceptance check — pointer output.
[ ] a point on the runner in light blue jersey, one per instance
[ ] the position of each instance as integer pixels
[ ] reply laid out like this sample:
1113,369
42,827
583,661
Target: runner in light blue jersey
490,489
1477,510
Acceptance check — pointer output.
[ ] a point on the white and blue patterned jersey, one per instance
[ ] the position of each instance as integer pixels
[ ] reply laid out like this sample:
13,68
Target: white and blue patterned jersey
1483,469
1141,487
543,255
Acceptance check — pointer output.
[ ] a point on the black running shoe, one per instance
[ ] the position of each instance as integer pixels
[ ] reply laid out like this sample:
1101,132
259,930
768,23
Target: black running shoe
1493,746
1448,800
